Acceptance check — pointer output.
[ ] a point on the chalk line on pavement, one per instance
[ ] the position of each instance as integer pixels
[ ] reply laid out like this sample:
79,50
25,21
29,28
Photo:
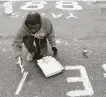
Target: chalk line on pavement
21,83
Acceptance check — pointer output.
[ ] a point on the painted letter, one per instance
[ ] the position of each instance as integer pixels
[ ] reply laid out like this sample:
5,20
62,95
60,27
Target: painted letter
84,79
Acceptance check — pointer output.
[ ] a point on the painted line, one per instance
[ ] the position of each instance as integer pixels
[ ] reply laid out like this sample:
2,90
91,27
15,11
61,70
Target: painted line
56,16
58,41
104,67
66,43
4,50
21,83
71,15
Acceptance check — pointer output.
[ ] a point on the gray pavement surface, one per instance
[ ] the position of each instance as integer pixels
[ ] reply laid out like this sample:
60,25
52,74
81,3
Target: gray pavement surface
86,30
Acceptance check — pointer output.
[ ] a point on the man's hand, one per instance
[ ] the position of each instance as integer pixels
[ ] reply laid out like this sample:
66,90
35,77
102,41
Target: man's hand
19,64
54,49
38,56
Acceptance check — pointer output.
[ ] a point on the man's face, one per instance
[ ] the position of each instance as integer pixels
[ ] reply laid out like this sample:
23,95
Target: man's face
33,28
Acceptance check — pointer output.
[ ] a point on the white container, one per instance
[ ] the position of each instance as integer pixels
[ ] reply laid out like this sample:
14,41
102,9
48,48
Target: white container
50,66
8,7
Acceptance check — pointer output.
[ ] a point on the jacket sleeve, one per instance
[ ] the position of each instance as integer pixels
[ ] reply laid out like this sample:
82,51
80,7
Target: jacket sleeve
17,43
51,36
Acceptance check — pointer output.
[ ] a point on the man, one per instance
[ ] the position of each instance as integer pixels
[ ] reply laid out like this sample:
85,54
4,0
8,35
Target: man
34,33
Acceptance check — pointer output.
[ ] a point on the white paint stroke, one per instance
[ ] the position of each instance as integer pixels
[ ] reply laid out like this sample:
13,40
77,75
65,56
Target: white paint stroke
71,15
84,79
15,16
43,14
4,50
56,16
58,41
104,75
104,67
21,83
66,43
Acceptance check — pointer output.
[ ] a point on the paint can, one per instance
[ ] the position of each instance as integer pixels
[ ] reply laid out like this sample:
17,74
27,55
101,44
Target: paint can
8,7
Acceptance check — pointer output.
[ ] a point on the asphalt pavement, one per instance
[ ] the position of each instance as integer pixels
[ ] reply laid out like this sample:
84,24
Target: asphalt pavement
80,28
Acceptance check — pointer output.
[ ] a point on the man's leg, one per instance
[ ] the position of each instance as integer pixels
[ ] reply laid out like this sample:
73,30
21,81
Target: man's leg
28,42
44,50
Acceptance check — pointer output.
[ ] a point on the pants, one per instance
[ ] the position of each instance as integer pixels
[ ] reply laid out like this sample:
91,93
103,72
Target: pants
42,49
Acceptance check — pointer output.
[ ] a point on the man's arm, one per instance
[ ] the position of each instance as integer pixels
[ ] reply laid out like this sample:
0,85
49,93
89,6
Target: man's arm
17,43
51,39
51,36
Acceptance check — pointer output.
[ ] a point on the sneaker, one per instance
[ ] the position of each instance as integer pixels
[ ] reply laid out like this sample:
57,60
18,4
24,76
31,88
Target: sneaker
30,57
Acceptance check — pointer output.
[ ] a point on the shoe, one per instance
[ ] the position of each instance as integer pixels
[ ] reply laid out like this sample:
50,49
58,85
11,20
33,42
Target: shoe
30,57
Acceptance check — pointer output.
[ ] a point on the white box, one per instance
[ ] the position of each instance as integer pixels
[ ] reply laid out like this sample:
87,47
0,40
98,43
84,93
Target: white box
50,66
